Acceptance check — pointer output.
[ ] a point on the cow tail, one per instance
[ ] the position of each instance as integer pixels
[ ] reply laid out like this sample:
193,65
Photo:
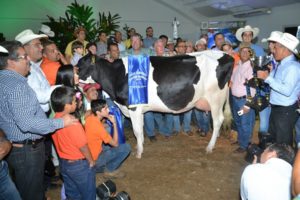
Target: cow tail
227,115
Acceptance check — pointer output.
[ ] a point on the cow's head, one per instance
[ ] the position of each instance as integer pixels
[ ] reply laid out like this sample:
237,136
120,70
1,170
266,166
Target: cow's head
87,65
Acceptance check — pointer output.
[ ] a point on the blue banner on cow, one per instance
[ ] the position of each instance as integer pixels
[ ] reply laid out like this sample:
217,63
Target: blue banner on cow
113,110
138,70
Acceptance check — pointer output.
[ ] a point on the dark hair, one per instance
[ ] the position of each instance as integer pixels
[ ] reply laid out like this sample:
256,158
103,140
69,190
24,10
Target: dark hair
219,33
283,151
65,76
97,105
12,48
46,43
111,44
76,44
60,97
149,27
163,36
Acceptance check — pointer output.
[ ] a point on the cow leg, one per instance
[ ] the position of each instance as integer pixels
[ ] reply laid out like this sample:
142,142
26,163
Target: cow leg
137,119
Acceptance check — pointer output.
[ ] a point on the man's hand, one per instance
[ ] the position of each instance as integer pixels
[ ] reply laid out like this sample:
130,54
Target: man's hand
62,58
92,163
262,74
69,120
5,147
112,119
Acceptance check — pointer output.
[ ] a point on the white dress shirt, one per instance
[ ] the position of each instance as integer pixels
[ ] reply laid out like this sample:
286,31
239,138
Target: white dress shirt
267,181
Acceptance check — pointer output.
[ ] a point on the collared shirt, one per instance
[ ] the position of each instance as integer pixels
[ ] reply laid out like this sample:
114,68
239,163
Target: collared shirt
38,82
149,42
242,72
270,180
285,82
21,116
101,48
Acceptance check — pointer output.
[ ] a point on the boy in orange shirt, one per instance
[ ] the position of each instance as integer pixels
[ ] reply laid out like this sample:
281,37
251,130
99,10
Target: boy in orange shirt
108,157
76,162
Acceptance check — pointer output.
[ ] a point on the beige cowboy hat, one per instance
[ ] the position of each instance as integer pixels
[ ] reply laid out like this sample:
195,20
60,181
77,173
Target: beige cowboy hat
240,32
3,50
289,41
273,36
28,35
47,30
201,41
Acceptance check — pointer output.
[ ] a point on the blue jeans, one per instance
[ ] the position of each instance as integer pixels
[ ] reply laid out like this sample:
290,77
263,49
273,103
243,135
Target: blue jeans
172,123
187,118
111,158
27,163
203,120
244,123
8,189
297,128
264,117
79,179
152,118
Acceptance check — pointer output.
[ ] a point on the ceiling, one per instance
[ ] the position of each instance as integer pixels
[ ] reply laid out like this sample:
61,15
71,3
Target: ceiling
237,8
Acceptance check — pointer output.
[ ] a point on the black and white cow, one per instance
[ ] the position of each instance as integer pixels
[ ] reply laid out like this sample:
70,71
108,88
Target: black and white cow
175,84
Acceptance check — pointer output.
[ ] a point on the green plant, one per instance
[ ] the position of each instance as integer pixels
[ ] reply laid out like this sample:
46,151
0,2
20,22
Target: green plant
81,15
108,23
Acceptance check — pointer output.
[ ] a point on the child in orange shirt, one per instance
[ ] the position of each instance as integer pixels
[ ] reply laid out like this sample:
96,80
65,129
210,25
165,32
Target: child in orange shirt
108,157
76,162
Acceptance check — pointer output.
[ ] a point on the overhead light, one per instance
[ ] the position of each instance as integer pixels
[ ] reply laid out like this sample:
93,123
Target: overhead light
254,12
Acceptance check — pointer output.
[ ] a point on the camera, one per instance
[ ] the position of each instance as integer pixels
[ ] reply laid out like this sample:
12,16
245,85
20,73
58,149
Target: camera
106,190
121,196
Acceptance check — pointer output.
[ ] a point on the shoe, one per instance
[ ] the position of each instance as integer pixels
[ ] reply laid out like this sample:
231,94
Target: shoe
114,174
234,143
152,139
201,133
239,150
175,133
189,133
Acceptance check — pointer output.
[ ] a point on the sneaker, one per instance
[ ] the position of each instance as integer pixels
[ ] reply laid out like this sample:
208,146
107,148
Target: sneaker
189,133
114,174
152,139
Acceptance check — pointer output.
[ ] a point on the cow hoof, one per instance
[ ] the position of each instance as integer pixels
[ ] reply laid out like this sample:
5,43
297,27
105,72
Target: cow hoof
138,155
209,150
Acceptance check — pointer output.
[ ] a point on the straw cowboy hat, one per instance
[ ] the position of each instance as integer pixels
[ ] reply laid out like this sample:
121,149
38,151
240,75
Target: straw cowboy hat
47,30
28,35
240,32
3,50
289,41
202,41
273,36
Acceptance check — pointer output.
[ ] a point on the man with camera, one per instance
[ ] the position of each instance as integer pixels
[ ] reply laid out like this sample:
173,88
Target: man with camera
271,178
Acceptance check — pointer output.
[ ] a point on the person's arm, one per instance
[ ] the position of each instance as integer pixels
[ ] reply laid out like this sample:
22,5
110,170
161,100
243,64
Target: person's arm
30,117
296,175
5,145
115,140
87,154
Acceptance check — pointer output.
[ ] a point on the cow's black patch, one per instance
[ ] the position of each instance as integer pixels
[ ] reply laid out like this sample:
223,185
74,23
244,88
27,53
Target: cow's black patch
224,70
175,77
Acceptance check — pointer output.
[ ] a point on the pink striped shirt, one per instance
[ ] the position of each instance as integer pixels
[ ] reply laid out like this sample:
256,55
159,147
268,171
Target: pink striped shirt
242,72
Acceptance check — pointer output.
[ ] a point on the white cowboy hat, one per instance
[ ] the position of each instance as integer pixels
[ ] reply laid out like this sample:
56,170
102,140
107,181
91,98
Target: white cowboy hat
3,50
28,35
47,30
202,41
289,41
240,32
273,36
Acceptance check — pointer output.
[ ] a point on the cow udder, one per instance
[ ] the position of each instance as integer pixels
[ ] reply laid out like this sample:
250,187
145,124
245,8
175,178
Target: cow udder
202,104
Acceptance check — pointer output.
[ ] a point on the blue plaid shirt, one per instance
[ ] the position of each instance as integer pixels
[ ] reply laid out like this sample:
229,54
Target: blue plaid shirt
21,116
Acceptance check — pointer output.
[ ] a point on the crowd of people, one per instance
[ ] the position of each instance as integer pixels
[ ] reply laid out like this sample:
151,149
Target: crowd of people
43,102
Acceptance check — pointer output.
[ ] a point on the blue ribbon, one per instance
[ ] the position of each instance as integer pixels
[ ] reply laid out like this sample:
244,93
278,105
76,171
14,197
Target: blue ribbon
113,110
138,70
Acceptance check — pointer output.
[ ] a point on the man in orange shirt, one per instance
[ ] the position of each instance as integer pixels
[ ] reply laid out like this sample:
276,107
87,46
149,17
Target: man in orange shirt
108,157
76,162
52,60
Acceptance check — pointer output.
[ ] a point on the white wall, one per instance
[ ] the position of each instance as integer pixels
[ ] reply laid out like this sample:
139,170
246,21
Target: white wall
17,15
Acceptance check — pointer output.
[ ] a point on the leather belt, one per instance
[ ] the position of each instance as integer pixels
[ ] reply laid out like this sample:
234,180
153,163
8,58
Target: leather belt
71,161
33,143
242,97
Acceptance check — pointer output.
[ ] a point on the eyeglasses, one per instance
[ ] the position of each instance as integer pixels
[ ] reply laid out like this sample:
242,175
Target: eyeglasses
23,57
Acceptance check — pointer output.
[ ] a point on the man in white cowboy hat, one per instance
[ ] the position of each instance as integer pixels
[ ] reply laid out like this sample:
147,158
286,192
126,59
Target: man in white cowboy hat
247,34
284,81
46,30
24,122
